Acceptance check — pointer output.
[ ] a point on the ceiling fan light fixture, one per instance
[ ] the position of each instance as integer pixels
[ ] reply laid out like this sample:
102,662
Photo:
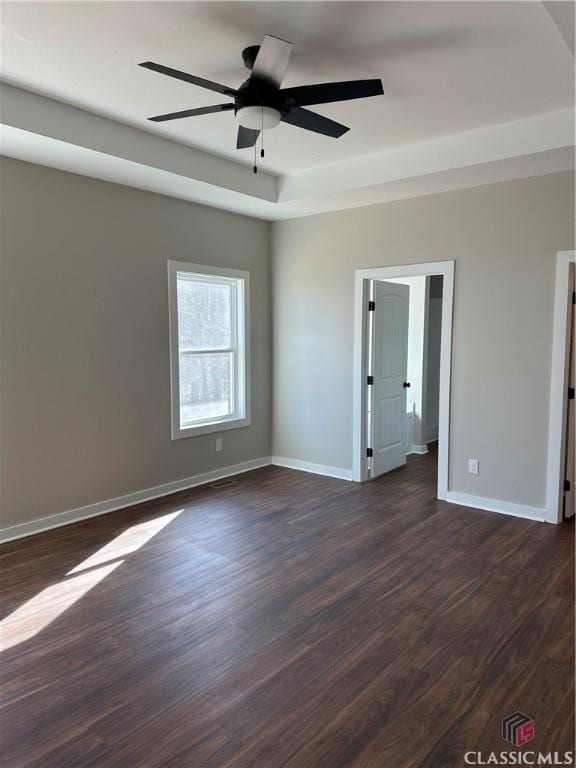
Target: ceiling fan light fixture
261,103
258,117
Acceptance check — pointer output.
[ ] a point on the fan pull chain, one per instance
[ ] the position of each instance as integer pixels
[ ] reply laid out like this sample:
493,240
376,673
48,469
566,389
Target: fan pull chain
255,161
262,146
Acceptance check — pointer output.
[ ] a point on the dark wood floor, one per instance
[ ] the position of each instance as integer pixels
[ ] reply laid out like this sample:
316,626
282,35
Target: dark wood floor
287,621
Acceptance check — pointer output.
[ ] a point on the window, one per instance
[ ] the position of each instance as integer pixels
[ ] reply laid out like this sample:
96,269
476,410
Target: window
208,348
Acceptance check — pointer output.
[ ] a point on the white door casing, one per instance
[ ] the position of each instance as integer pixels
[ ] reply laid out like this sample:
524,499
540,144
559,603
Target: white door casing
389,370
570,469
559,387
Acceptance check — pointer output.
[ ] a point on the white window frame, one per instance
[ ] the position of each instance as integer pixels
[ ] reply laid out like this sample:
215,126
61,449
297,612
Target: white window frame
240,348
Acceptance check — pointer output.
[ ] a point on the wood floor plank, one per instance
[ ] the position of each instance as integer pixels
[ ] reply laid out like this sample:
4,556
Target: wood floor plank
287,620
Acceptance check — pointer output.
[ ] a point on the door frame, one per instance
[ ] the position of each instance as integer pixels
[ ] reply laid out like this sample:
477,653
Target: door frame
558,387
359,404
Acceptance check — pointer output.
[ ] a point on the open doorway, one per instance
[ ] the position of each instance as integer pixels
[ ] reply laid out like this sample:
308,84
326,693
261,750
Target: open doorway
403,337
561,474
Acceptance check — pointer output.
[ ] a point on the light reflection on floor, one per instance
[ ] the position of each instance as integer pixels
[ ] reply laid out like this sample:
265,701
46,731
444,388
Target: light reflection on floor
127,542
37,613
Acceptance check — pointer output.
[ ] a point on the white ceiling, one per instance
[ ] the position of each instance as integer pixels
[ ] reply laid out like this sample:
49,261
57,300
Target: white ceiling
476,92
447,67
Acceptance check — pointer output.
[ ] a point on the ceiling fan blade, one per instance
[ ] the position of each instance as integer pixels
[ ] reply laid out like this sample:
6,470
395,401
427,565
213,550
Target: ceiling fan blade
211,86
246,137
310,121
326,93
272,60
192,113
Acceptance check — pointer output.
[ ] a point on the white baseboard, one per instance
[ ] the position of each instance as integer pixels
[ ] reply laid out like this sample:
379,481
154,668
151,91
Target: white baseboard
138,497
419,449
494,505
316,469
111,505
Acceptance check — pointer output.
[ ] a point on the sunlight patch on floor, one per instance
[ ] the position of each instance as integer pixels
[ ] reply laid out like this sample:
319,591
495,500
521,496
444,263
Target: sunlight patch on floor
43,608
38,612
127,542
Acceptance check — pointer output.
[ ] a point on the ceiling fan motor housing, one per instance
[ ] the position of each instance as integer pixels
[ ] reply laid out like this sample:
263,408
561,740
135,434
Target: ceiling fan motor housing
257,105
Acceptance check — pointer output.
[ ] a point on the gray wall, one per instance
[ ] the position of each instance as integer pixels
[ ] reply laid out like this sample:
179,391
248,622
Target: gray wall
504,239
85,381
85,371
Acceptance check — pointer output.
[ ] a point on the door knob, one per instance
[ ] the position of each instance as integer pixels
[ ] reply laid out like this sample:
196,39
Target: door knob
406,384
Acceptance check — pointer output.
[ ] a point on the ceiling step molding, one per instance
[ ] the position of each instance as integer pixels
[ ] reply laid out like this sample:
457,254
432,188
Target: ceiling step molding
47,132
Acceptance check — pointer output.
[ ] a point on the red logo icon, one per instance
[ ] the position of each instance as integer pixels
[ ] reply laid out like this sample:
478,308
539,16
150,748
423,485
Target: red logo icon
518,729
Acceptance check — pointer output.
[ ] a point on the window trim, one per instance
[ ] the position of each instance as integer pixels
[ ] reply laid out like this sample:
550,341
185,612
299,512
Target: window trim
242,370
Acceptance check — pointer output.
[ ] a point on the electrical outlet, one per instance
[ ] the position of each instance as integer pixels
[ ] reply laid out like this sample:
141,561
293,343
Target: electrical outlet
473,466
218,444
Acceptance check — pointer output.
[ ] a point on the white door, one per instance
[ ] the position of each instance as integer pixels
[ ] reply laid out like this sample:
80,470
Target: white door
388,423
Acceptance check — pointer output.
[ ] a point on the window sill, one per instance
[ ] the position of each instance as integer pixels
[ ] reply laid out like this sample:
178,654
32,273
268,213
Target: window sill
179,433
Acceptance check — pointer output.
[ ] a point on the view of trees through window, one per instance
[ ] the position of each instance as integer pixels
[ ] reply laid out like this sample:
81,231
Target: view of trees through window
206,347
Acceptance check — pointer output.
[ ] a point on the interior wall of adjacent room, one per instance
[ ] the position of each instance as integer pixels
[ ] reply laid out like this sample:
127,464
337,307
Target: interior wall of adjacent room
415,395
503,239
432,340
85,376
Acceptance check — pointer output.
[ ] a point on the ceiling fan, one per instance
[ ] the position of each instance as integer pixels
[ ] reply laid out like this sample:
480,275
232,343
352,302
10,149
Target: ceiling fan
260,103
